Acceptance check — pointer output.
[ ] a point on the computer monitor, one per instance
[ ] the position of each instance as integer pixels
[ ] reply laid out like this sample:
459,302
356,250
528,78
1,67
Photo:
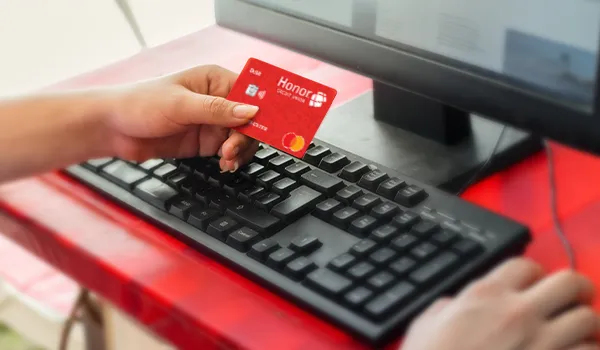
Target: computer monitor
450,75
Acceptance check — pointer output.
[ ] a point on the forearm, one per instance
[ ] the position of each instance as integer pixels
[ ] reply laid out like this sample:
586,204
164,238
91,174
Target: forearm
46,132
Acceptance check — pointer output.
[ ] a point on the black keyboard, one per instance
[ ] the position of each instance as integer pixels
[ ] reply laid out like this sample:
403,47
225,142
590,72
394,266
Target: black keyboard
357,243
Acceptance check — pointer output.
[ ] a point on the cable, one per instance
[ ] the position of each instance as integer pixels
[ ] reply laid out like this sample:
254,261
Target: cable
558,229
553,195
483,166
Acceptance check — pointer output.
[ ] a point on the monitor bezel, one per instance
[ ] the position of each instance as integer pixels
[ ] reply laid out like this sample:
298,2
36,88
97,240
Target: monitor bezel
437,79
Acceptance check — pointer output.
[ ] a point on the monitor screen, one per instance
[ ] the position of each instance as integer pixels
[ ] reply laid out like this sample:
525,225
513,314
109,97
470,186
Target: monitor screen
545,47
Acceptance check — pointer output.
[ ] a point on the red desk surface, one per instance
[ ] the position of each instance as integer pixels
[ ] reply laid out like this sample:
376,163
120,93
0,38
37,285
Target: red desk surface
196,303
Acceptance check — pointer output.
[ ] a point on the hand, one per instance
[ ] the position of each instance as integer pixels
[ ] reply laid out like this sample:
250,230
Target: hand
512,308
181,115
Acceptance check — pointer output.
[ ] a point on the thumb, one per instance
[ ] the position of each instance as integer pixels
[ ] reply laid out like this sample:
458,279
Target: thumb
213,110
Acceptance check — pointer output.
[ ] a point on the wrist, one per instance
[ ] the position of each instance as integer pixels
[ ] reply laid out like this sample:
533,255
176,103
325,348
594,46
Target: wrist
98,108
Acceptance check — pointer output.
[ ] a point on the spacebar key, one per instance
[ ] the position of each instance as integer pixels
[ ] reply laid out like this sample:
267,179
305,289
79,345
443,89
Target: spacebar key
263,223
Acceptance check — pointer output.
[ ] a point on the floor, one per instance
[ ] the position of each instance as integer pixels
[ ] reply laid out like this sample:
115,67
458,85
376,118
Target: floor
44,42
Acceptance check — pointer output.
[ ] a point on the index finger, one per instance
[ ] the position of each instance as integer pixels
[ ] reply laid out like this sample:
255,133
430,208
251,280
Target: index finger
516,273
559,291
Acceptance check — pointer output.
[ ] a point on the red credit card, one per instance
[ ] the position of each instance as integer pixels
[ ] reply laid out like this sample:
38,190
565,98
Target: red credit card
291,107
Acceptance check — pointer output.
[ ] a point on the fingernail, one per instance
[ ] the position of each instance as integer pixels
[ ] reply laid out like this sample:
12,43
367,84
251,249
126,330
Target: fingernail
236,166
244,111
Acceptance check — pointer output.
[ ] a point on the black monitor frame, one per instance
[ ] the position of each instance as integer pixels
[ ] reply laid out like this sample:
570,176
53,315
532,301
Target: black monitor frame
437,79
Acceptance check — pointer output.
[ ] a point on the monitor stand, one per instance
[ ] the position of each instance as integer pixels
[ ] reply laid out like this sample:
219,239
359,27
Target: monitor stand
426,140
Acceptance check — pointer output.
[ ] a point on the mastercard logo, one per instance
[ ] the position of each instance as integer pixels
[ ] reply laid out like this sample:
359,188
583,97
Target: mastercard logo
293,142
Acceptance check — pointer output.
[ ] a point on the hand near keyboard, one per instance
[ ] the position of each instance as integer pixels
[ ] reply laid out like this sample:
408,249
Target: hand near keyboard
182,115
512,308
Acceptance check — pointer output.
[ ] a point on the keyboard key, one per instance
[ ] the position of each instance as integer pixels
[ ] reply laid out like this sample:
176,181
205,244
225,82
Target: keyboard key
151,164
268,178
360,271
405,220
402,266
410,196
424,251
390,187
280,162
404,242
279,258
204,170
348,194
241,239
187,165
434,269
314,155
123,174
155,192
264,223
178,179
342,262
218,179
250,194
236,186
444,237
305,244
264,155
261,250
222,227
366,202
252,170
180,207
326,208
203,192
322,181
382,256
164,171
296,170
284,186
98,163
372,179
358,297
467,248
188,187
381,280
219,200
327,281
425,228
354,171
384,234
384,210
299,203
334,162
299,268
267,201
343,217
363,248
363,226
200,218
390,300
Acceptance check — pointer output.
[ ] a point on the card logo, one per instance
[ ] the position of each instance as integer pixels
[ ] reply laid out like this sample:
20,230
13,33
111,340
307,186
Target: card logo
298,93
293,142
317,100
